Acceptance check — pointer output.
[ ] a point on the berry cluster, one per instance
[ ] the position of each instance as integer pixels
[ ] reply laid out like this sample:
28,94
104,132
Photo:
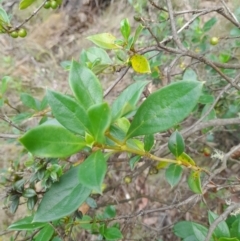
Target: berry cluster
51,4
22,32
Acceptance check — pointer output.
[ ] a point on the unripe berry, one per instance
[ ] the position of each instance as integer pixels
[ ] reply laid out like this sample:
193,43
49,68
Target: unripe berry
14,34
47,5
214,41
22,32
54,4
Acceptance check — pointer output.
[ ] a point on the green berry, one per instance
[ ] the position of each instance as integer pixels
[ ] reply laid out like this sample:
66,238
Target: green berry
214,41
22,32
47,5
14,34
127,179
54,4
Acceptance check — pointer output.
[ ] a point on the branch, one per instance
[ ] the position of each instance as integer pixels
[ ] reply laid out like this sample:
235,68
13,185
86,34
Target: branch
173,26
122,74
9,136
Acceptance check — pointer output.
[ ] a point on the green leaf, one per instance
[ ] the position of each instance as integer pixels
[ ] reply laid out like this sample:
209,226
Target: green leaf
137,34
222,229
4,81
194,182
45,234
94,53
112,234
85,85
29,193
173,174
30,101
190,231
125,28
165,108
135,144
140,64
92,171
186,159
190,74
104,40
228,239
176,144
209,24
100,120
4,16
109,212
68,112
85,222
26,224
235,229
133,161
224,57
148,142
206,99
127,100
63,198
49,140
25,4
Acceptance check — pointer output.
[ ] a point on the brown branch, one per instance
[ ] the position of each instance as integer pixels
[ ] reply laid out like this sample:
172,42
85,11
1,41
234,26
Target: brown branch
122,74
173,26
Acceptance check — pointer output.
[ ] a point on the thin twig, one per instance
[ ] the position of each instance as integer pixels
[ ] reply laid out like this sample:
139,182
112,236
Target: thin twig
173,26
9,136
30,17
122,74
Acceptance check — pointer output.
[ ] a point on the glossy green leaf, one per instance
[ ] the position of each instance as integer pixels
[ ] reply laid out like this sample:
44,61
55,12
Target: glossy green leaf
63,198
148,142
173,174
85,85
194,182
176,144
209,24
26,224
49,140
123,123
29,193
94,53
125,28
92,171
112,234
133,161
222,229
165,108
68,112
140,64
30,101
45,233
190,231
137,34
109,212
31,202
100,120
135,144
127,100
186,159
85,222
235,229
25,4
104,40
